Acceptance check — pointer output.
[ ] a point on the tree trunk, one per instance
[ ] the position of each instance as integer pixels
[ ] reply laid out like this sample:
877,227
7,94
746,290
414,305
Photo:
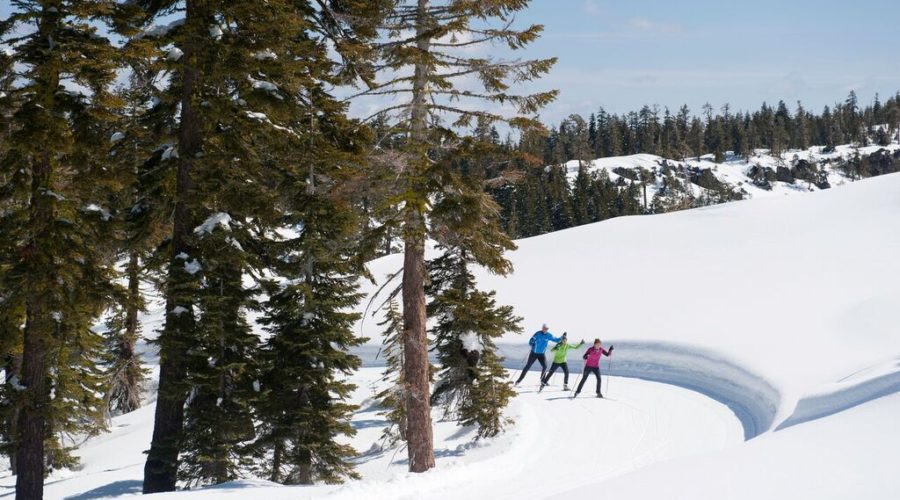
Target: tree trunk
31,429
304,467
32,425
12,369
275,477
32,416
419,434
129,390
160,471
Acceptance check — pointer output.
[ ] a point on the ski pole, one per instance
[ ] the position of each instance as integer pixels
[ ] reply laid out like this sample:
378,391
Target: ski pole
608,373
524,361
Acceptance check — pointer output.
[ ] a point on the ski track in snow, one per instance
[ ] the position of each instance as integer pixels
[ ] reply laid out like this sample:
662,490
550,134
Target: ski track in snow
582,440
753,400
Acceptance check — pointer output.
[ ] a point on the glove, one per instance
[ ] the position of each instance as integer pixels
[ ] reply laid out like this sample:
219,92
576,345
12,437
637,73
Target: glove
611,348
565,333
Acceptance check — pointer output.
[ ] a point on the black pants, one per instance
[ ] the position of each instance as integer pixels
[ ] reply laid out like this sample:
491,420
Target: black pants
588,370
553,367
532,357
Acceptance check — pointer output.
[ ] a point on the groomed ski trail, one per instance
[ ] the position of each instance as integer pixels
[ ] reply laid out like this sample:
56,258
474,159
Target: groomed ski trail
640,423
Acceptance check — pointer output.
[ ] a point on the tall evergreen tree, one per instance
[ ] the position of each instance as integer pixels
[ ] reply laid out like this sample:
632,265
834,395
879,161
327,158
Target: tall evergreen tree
221,364
302,407
427,36
472,384
138,206
245,90
56,276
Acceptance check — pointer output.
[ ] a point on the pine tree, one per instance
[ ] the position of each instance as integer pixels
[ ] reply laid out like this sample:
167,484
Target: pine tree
852,121
427,37
583,208
391,399
801,130
472,384
473,388
124,372
695,137
246,88
139,206
302,409
53,179
221,365
12,316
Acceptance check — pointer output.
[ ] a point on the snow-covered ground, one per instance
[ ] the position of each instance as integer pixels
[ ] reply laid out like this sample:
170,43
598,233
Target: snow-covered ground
734,172
555,439
757,356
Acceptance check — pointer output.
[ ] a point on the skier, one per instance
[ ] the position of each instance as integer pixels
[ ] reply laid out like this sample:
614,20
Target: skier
592,365
538,343
559,361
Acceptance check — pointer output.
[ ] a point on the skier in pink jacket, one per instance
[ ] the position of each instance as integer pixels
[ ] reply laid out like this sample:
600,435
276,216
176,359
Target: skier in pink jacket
592,365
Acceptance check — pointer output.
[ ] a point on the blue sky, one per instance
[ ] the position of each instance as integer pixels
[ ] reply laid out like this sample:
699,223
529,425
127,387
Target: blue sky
623,54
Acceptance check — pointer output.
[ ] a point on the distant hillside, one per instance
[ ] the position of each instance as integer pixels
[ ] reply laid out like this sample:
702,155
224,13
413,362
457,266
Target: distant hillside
578,192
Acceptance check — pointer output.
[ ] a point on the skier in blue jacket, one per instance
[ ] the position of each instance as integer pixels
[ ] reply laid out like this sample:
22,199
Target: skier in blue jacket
538,343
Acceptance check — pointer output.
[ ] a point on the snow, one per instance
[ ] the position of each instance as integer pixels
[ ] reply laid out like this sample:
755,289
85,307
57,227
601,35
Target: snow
56,196
851,455
104,213
257,116
170,153
764,305
471,342
265,55
116,137
734,171
265,86
648,423
756,357
262,117
155,31
174,54
218,219
15,383
193,266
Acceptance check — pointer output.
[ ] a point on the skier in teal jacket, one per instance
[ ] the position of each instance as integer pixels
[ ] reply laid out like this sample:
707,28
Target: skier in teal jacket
538,343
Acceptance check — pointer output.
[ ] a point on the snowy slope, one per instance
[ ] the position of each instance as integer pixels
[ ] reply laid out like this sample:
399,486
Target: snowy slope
789,298
783,308
770,321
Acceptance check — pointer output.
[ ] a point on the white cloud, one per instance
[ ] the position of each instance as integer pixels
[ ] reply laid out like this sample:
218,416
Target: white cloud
648,25
592,8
